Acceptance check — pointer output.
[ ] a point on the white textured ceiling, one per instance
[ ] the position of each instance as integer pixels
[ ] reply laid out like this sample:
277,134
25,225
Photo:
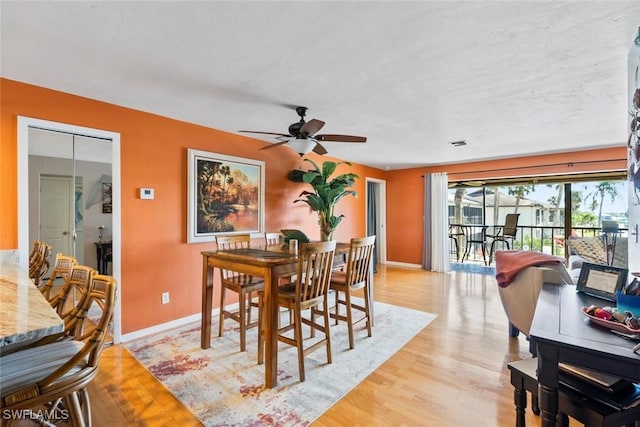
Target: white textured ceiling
511,77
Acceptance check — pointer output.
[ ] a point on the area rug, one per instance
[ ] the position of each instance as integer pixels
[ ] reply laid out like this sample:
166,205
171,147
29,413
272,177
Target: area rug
224,387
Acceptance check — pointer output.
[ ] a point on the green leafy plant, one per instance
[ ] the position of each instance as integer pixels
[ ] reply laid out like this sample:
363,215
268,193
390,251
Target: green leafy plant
326,193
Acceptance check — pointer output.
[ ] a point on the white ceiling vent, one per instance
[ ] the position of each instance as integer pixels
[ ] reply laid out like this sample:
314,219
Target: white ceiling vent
460,143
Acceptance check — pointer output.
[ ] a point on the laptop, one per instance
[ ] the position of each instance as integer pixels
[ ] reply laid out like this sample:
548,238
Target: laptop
602,281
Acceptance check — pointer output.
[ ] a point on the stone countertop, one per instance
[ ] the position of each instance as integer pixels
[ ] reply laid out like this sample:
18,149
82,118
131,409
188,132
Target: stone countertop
25,314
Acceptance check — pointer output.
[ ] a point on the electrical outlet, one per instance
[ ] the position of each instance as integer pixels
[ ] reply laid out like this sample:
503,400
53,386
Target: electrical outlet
165,297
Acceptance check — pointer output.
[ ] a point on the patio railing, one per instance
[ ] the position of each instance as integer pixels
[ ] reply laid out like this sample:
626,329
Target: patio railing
551,239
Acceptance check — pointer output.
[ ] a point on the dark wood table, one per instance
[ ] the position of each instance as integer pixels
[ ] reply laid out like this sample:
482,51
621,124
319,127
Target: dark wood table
563,334
103,255
270,263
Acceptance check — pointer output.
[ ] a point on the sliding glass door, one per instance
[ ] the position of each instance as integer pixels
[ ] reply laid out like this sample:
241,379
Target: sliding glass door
548,211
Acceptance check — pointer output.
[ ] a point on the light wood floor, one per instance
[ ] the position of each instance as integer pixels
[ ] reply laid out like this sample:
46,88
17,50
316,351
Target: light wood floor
452,373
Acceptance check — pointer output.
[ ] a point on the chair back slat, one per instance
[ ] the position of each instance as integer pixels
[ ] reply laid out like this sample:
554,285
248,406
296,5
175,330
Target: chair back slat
359,261
236,241
272,239
315,262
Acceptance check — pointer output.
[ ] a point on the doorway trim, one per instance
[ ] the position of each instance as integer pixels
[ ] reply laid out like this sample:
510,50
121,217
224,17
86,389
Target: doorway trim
24,246
381,208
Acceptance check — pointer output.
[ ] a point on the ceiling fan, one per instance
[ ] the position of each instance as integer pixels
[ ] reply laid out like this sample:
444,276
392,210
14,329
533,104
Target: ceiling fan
465,184
302,136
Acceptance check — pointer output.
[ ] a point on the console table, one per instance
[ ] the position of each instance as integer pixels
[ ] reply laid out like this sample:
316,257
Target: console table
103,254
563,334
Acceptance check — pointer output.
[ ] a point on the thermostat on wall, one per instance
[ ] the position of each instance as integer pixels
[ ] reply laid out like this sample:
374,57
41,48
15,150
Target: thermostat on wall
146,193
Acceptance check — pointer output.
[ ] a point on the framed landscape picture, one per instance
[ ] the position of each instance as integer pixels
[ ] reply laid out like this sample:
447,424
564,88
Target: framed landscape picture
225,195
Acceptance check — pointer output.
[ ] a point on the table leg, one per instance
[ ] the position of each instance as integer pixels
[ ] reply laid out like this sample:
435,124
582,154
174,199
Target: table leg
270,319
548,384
207,303
520,400
99,256
370,290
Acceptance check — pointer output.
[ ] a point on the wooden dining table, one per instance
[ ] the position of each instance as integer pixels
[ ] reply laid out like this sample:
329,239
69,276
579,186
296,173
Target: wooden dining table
270,263
25,314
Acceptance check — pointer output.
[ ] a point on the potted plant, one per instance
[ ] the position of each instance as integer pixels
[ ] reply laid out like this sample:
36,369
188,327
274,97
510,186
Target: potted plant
326,193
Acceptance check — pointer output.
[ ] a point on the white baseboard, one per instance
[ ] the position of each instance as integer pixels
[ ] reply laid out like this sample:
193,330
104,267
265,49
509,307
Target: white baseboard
170,325
403,264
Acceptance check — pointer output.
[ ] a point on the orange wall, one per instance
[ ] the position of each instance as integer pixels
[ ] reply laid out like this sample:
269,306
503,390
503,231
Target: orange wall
405,188
155,255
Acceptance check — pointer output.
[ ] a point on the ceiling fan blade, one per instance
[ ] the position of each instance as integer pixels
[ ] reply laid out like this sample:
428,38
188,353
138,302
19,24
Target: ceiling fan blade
311,127
319,149
266,147
465,184
340,138
267,133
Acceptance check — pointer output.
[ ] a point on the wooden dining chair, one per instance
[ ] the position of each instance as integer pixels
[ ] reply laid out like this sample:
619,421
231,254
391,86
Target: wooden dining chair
61,370
39,262
273,239
91,287
61,270
243,284
308,292
77,285
92,307
34,249
356,276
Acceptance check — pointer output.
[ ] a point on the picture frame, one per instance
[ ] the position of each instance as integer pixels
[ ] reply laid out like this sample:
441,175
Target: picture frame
602,281
106,198
226,195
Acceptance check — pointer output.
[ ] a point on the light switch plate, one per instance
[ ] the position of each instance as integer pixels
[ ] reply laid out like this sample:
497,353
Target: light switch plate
146,193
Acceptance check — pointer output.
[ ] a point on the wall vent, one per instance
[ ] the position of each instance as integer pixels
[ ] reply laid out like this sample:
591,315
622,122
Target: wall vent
460,143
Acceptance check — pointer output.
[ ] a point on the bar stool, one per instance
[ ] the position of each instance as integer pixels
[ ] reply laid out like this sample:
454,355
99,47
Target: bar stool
243,284
578,406
355,277
61,270
60,370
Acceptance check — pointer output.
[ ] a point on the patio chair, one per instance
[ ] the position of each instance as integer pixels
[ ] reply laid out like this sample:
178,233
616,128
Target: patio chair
505,234
473,236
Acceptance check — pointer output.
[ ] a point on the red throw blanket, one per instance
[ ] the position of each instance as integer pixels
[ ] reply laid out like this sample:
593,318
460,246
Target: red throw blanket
509,263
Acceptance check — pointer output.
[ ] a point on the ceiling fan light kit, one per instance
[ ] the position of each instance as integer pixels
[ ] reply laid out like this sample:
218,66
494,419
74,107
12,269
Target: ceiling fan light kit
302,136
302,146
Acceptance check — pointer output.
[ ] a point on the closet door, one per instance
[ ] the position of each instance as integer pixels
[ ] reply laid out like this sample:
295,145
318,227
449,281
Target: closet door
67,174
